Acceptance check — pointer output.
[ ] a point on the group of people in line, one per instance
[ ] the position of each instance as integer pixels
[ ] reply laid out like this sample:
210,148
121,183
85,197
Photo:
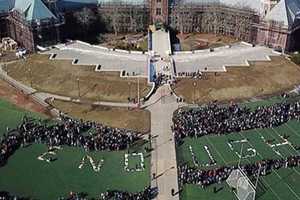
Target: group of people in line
203,178
198,74
217,119
147,193
68,132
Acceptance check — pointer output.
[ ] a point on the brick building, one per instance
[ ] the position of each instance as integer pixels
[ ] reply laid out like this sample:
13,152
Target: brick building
281,26
29,22
264,22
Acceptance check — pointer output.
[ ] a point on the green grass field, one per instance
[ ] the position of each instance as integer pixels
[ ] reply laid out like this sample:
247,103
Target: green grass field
280,184
25,175
10,115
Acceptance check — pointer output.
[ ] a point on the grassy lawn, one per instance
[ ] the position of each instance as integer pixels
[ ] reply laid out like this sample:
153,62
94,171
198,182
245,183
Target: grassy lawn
11,116
25,175
138,120
223,155
261,78
61,77
280,184
134,162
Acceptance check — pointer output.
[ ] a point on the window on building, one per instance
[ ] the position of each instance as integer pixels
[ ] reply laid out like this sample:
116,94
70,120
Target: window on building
158,11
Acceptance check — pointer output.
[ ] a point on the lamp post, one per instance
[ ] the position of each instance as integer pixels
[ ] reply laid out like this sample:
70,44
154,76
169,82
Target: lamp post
129,90
30,76
78,87
138,92
194,95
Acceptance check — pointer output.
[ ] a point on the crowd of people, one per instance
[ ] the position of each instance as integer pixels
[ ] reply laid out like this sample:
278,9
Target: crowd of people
68,132
8,196
216,119
147,194
203,178
198,74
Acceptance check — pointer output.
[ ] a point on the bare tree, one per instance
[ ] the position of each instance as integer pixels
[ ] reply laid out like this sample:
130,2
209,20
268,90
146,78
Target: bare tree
85,17
115,19
184,17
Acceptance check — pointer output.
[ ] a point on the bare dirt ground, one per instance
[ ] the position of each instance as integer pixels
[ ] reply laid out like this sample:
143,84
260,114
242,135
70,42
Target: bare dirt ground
7,56
10,94
126,41
261,78
196,41
138,120
61,77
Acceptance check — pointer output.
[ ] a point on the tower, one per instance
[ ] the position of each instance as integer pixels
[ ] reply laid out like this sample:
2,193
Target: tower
159,11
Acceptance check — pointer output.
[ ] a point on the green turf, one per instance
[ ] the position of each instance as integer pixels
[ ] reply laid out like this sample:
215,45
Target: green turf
10,115
25,175
270,101
134,162
285,185
280,184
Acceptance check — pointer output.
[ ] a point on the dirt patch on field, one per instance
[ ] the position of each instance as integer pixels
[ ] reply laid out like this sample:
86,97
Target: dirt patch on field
197,41
138,42
132,119
7,56
10,94
261,78
63,78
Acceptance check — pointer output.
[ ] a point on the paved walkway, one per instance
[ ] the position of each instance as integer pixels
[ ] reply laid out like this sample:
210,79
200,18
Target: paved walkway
163,157
109,60
237,55
162,50
161,43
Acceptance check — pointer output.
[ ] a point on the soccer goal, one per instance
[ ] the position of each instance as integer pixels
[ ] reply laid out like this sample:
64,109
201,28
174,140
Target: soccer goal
241,185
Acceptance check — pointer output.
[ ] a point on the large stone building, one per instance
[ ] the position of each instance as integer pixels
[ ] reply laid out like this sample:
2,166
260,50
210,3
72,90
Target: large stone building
29,22
264,22
280,28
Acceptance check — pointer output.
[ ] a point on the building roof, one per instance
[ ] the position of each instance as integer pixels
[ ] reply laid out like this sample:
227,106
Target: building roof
33,9
286,11
132,2
69,4
256,5
6,5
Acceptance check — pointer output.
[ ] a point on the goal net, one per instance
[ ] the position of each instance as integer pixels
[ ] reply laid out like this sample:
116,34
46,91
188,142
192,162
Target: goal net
241,185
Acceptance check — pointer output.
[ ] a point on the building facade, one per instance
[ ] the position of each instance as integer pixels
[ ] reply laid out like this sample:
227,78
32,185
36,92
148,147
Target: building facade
267,22
30,23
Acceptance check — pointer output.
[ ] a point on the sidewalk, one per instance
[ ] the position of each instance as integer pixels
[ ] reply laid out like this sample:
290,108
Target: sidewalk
163,157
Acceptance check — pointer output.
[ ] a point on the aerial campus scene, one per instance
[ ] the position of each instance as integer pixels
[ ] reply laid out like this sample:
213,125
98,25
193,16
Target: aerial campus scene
149,99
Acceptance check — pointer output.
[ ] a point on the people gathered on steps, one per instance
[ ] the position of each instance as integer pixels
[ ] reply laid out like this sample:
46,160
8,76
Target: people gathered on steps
66,132
216,119
203,178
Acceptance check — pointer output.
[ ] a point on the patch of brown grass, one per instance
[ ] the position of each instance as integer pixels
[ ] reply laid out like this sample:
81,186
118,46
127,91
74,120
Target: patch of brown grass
13,96
60,77
7,56
195,41
138,120
261,78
